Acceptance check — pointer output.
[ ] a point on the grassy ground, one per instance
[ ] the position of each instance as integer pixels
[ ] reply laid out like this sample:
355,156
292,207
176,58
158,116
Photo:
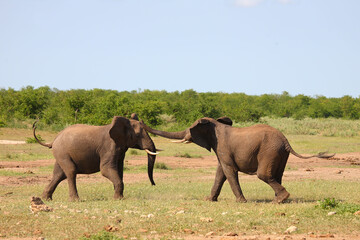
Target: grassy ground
175,208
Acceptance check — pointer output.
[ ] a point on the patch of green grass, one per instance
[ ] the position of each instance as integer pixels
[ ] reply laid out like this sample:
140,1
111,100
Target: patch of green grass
338,206
133,152
187,155
160,165
328,203
103,235
10,173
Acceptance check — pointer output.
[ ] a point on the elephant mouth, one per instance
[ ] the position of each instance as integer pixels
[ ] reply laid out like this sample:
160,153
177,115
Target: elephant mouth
147,150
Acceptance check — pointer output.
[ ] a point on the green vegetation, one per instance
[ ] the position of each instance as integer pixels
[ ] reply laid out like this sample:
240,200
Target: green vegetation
169,110
340,207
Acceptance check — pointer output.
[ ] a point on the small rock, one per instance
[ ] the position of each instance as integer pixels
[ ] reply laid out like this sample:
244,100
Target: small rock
189,231
331,213
357,213
206,219
224,213
309,169
180,212
37,232
87,235
230,234
153,232
339,172
110,228
210,234
281,214
150,215
291,229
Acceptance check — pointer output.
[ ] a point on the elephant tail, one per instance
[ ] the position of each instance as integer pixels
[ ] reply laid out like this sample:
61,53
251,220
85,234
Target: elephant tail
49,145
319,155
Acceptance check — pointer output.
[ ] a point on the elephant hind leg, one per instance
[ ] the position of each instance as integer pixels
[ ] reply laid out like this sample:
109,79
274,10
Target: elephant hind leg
70,170
58,176
271,173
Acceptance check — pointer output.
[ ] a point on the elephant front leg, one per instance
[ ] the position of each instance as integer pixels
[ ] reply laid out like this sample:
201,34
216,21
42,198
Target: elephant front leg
220,178
112,174
231,174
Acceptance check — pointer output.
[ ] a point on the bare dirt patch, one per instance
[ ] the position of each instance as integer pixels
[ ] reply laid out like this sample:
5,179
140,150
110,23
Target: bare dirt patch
342,166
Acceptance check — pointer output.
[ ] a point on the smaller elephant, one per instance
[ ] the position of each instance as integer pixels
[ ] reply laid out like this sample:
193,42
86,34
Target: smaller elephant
260,149
85,149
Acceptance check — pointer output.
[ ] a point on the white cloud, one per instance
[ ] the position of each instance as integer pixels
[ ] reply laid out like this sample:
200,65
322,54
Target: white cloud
284,1
247,3
254,3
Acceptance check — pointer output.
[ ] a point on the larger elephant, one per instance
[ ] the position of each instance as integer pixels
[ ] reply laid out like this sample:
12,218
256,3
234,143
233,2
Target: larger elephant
259,149
85,149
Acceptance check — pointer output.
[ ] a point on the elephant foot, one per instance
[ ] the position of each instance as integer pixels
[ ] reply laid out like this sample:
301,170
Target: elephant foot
118,197
74,199
281,197
46,196
241,199
211,199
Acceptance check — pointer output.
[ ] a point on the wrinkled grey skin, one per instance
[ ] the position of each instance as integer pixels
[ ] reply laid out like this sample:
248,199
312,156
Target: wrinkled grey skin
259,149
84,149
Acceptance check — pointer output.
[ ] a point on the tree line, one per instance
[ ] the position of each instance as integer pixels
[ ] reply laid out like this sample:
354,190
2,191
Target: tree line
98,106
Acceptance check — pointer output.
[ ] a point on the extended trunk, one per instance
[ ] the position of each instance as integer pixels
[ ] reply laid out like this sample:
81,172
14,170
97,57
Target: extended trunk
171,135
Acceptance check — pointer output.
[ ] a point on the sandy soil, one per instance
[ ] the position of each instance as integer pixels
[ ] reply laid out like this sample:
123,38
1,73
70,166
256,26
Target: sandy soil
297,168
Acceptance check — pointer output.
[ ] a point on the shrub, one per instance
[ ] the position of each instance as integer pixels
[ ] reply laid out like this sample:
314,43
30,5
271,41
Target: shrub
328,203
33,140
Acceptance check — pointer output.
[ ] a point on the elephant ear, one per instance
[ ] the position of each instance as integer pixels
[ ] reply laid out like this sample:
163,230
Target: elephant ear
120,130
225,120
134,116
201,134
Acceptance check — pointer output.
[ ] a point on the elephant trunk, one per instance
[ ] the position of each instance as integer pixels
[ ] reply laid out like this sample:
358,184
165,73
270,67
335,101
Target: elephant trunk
171,135
151,164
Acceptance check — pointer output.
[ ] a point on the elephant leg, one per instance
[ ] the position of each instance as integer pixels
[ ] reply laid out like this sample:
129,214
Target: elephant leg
231,174
70,170
112,174
220,178
121,170
58,176
270,175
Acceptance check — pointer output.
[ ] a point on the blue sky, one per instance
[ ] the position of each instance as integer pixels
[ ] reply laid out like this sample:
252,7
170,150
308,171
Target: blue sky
256,47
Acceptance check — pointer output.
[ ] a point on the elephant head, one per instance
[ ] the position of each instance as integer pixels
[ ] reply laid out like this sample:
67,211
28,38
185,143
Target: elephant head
129,133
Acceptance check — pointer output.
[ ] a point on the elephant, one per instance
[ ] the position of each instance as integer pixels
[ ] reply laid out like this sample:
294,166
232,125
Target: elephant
86,149
259,149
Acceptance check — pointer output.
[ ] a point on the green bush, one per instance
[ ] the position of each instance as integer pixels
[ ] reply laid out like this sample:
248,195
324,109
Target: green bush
33,140
103,235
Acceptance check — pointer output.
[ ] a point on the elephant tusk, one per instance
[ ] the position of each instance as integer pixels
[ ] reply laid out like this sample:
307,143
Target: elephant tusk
178,141
150,152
